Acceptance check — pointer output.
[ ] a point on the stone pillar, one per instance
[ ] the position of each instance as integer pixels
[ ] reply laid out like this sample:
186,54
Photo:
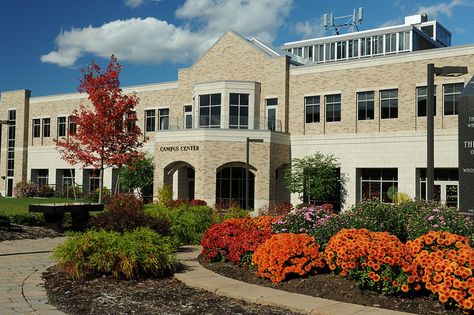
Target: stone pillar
351,186
407,181
205,185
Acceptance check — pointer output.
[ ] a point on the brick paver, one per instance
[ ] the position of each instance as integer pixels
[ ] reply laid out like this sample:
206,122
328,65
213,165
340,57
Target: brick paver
21,288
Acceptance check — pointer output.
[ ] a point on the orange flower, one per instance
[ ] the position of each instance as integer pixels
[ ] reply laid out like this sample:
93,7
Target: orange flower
405,288
443,298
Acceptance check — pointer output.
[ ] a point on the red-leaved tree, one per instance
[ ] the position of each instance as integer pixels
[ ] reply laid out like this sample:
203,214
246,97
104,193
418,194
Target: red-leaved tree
106,134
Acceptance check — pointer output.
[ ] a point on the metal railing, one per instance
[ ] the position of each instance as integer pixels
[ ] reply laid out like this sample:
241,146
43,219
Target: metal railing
220,122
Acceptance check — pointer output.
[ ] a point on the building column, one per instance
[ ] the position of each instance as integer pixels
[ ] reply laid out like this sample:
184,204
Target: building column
108,178
350,175
262,190
205,185
407,181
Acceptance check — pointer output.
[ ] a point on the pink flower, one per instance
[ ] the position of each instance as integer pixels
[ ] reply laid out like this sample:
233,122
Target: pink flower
435,226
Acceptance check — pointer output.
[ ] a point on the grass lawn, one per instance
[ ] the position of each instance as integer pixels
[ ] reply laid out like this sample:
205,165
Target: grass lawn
10,206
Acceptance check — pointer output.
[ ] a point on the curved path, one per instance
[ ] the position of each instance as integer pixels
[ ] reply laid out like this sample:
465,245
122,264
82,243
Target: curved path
199,277
21,264
22,292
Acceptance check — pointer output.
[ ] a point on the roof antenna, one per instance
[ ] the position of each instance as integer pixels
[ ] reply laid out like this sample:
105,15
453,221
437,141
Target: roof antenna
350,21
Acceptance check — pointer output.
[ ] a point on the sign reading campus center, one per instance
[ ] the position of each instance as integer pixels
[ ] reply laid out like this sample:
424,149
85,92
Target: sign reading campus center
179,148
466,148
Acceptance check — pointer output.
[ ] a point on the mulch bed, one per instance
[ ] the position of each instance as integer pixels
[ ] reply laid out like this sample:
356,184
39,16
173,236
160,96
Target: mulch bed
330,286
106,295
19,232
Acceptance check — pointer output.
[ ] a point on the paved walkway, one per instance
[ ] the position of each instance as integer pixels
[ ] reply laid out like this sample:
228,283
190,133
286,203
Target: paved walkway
21,264
21,287
199,277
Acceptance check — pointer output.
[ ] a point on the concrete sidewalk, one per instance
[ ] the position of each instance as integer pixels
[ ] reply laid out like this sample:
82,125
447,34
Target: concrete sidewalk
198,277
22,263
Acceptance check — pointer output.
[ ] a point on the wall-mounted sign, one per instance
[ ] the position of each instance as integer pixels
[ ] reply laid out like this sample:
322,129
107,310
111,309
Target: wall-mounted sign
466,148
179,148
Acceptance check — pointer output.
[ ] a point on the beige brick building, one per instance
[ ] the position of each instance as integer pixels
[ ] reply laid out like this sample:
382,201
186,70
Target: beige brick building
332,95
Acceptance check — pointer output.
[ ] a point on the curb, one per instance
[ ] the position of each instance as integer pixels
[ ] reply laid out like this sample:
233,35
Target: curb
199,277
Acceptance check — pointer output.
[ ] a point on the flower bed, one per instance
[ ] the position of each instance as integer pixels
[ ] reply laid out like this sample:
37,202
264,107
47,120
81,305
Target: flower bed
313,239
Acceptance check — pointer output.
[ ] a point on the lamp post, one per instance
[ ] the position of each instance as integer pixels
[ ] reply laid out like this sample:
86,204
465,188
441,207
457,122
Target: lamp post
446,71
247,182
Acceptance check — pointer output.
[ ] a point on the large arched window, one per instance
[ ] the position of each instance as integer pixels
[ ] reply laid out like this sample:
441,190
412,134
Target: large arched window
230,186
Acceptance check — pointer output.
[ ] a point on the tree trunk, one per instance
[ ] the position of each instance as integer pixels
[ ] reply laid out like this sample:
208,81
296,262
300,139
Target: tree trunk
101,183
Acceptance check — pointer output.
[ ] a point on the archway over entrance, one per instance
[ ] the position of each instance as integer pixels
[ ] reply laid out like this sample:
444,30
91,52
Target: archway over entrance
180,177
231,185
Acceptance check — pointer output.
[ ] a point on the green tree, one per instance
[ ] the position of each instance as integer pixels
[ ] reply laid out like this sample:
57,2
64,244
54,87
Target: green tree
137,176
315,177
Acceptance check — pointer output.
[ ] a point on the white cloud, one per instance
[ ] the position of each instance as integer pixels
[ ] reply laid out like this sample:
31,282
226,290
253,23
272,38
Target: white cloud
151,40
396,21
445,8
310,28
254,18
136,3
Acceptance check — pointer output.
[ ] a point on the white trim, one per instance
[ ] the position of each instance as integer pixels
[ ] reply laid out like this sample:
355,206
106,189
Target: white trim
436,53
126,90
223,135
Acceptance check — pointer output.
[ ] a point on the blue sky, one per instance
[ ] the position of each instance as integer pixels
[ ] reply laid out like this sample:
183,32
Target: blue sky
45,43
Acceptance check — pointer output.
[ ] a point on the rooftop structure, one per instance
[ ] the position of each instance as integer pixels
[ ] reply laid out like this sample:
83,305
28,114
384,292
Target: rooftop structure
418,33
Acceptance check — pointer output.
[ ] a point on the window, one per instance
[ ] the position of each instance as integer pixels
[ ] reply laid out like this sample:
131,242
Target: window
451,98
341,50
150,120
164,114
131,121
36,128
11,150
389,104
46,127
68,177
319,53
333,107
94,181
365,46
330,51
271,101
210,111
378,183
72,126
42,177
188,116
365,105
61,126
403,41
312,105
239,111
378,44
271,120
353,48
422,101
391,42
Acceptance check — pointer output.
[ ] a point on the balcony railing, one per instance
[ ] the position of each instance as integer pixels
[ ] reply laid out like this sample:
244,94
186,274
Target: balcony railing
219,122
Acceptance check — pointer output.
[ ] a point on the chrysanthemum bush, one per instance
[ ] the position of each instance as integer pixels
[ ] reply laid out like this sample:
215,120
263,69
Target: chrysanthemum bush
233,240
376,260
303,220
287,254
444,261
433,217
25,189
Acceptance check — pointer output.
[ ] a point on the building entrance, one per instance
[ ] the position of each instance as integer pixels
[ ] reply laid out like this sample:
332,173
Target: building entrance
180,178
230,186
